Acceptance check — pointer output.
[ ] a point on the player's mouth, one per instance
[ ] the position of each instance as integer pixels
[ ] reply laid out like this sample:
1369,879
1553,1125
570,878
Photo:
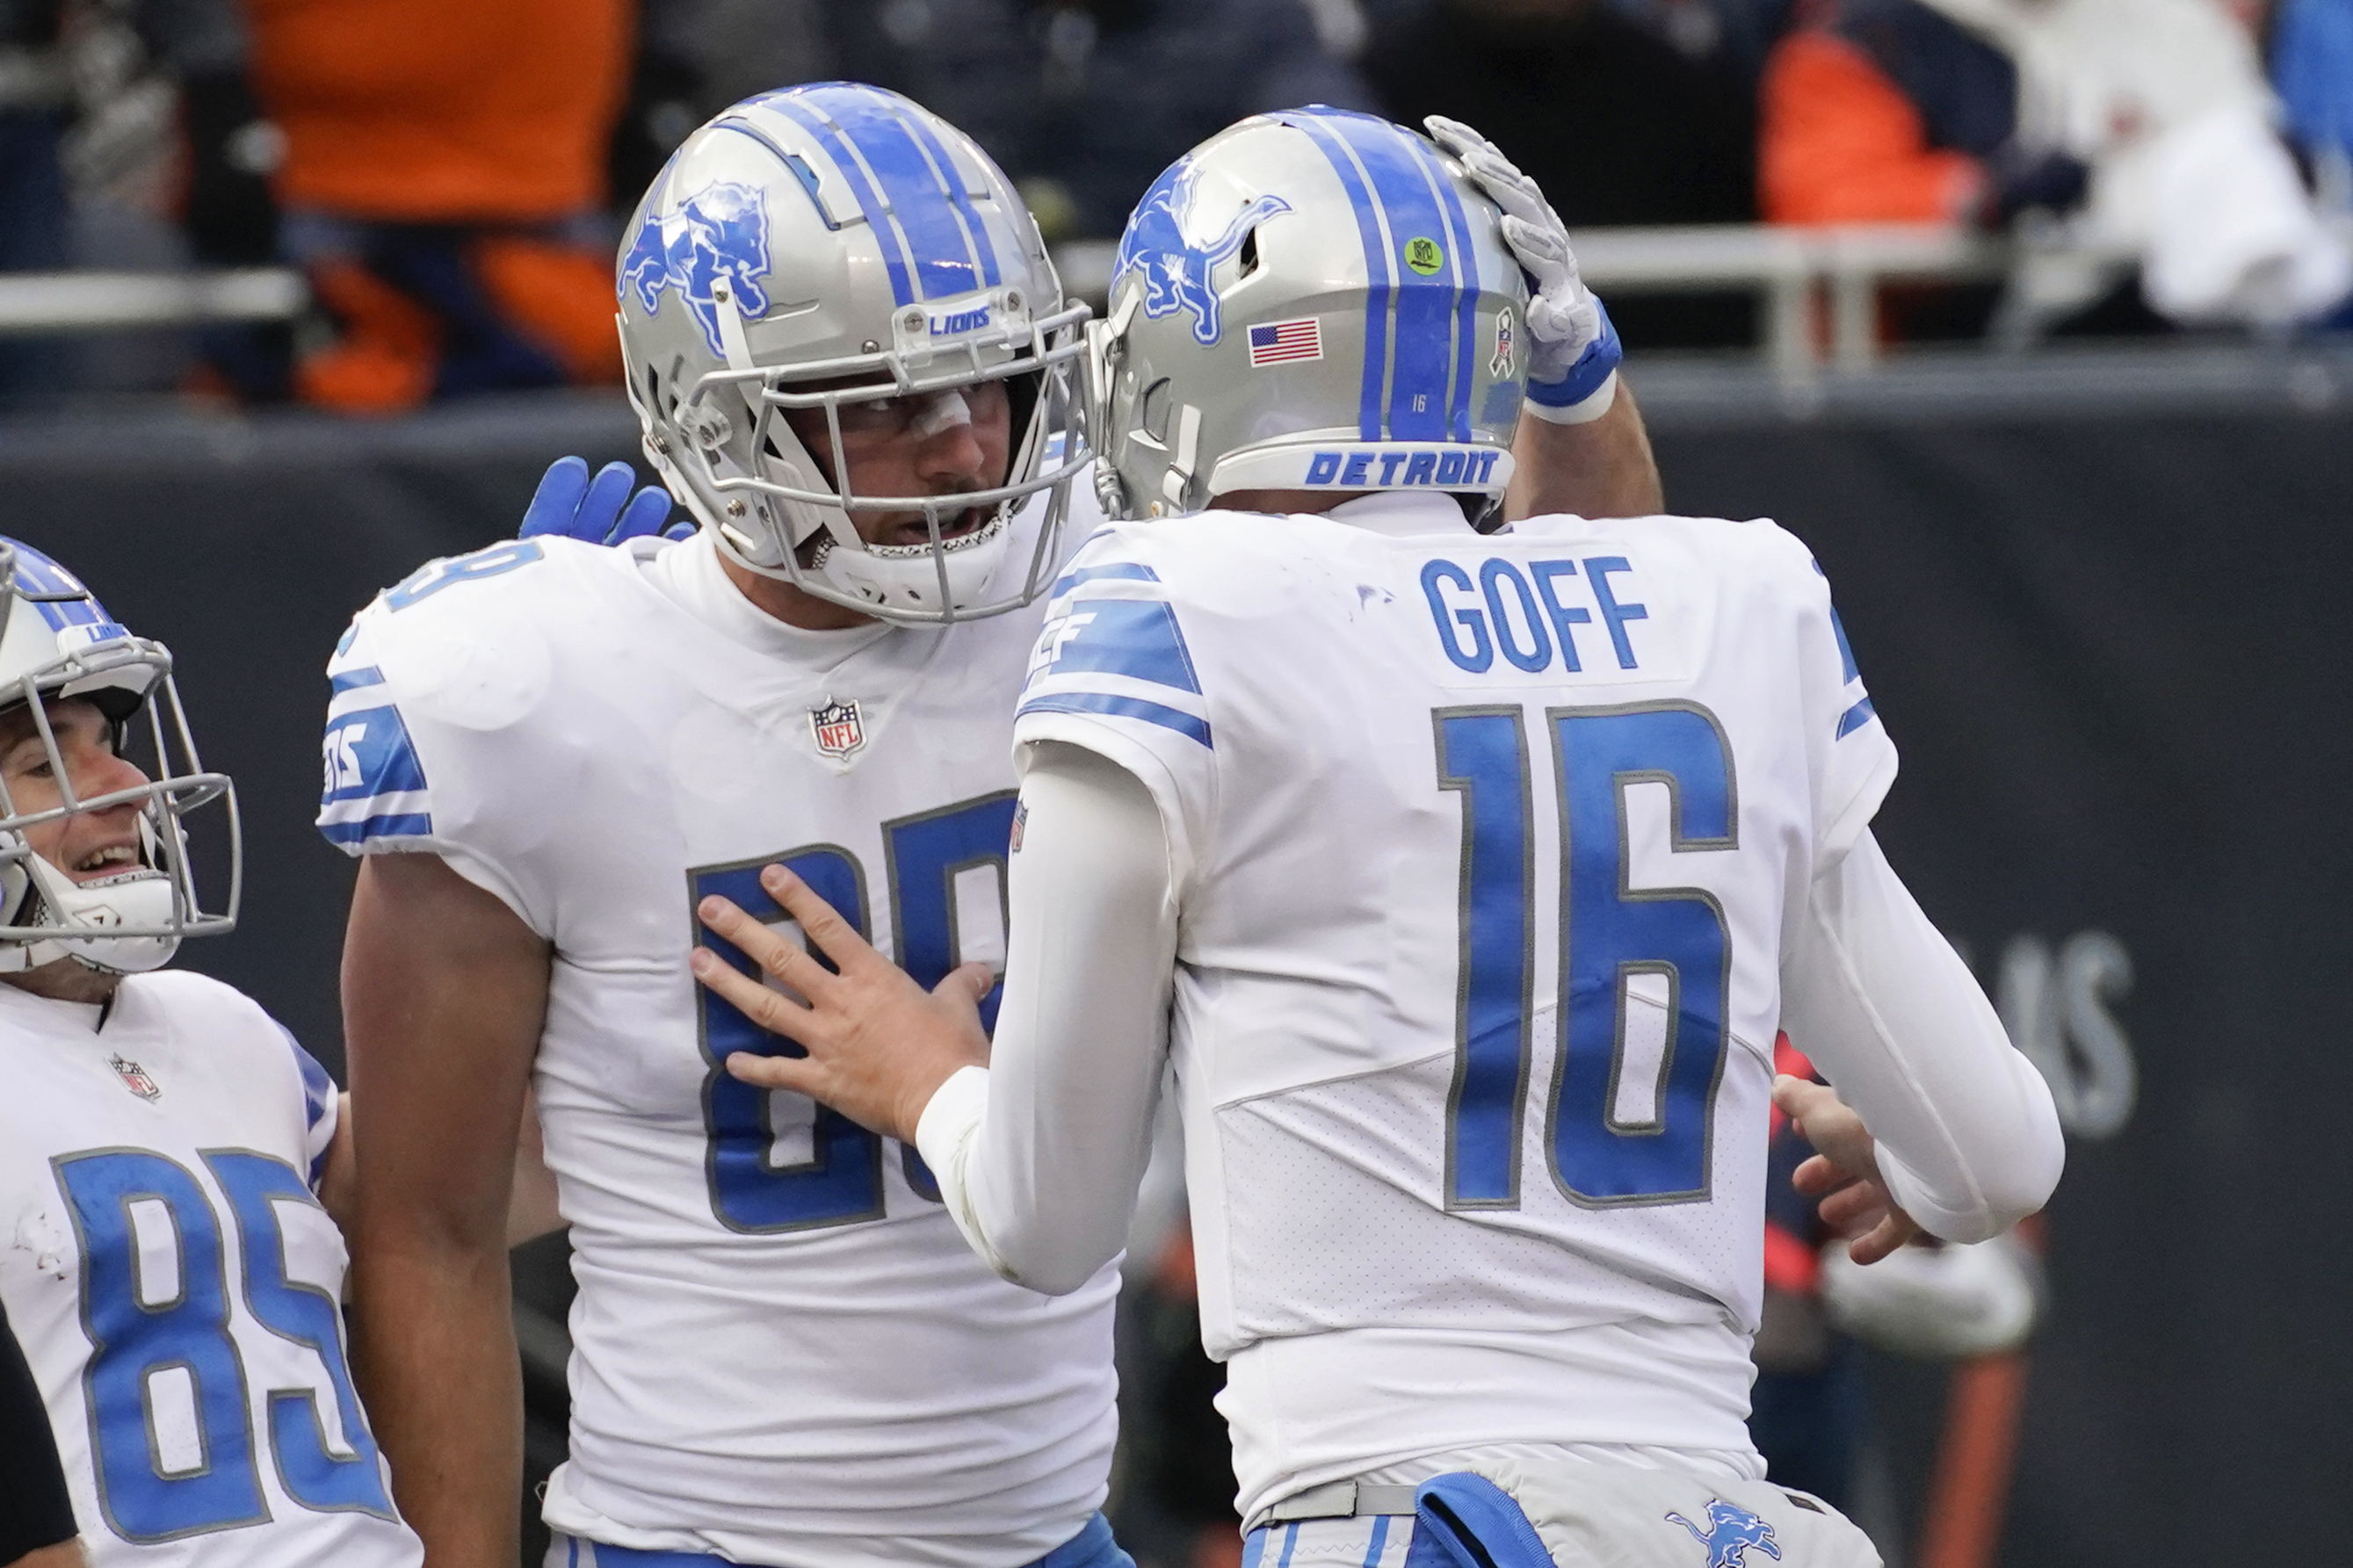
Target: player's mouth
113,861
916,530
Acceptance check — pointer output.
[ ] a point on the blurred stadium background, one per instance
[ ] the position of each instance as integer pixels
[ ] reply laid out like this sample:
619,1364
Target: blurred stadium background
2034,318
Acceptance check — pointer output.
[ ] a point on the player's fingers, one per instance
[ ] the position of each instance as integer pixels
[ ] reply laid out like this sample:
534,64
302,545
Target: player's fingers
607,497
966,984
798,1074
1891,1235
1856,1207
1817,1175
647,511
828,932
762,1004
783,959
1453,135
558,501
1793,1096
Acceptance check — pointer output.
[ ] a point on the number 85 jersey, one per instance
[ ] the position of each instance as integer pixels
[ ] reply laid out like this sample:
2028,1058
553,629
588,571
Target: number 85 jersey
1484,847
783,1350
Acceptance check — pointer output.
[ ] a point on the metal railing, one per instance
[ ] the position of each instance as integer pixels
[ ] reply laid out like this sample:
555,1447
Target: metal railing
33,303
1801,278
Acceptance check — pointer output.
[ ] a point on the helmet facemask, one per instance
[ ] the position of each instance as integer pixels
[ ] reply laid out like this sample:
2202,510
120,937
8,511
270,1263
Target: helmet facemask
131,920
769,277
745,472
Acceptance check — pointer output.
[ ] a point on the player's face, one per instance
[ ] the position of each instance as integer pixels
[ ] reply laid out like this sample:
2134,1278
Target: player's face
942,444
87,844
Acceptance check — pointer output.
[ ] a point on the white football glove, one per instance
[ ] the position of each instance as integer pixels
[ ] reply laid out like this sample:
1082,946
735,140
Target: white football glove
1573,362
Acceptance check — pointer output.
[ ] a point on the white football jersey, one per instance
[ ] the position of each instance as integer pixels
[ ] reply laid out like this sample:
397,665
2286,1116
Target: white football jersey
1483,848
783,1350
176,1285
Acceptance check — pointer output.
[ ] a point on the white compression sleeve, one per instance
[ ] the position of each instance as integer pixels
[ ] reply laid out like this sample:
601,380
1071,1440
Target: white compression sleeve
1969,1140
1039,1157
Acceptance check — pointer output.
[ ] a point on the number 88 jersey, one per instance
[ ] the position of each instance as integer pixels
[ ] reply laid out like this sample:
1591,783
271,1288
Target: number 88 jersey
779,1340
175,1284
1483,848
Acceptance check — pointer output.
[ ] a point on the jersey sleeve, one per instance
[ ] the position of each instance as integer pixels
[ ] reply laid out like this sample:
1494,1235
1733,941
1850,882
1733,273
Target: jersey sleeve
322,1108
1854,757
1113,672
379,772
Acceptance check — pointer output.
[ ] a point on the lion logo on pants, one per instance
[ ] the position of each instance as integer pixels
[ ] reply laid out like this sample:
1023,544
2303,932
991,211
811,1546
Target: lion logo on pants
1731,1532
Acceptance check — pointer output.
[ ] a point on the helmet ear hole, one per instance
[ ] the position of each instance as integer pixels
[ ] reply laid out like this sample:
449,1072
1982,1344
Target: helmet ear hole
1152,414
1250,253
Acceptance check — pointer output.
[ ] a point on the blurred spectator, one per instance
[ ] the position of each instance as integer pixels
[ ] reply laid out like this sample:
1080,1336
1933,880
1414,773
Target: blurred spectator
2149,116
443,185
1616,125
83,85
1887,111
1084,102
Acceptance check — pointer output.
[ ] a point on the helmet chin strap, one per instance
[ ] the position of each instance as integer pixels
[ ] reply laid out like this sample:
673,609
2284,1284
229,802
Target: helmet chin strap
141,900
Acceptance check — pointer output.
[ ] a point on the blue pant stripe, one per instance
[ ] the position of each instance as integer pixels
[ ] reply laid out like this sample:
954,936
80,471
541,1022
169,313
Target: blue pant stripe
1376,265
1380,1539
1290,1543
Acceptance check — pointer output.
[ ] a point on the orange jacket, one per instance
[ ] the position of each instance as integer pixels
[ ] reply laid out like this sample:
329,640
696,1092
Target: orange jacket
1838,142
443,111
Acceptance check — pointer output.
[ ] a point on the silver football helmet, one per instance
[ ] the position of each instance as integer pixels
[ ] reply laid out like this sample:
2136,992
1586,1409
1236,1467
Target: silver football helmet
1311,299
57,641
831,248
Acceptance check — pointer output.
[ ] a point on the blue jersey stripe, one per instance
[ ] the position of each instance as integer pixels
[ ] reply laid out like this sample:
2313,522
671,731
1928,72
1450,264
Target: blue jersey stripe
1854,718
945,260
861,191
1465,261
959,199
1118,571
352,680
1846,649
1376,265
408,824
1424,307
1175,719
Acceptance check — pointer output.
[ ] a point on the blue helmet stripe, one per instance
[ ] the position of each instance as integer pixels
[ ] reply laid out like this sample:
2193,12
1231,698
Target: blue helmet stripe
960,199
37,574
1425,306
876,127
793,161
1466,288
861,191
1376,265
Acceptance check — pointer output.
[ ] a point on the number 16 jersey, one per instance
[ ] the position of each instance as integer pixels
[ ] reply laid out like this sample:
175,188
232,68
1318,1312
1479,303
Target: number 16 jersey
1484,847
783,1351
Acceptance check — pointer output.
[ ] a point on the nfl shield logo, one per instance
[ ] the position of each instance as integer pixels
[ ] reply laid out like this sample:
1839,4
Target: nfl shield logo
134,1079
837,728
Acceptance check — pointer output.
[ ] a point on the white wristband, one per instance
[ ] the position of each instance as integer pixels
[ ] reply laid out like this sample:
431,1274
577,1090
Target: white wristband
1584,412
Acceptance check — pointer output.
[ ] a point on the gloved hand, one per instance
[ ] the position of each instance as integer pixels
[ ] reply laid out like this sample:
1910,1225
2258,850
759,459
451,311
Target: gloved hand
1575,349
600,511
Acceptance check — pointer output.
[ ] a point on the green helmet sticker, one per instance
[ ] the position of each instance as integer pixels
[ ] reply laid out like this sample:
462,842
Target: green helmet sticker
1424,255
